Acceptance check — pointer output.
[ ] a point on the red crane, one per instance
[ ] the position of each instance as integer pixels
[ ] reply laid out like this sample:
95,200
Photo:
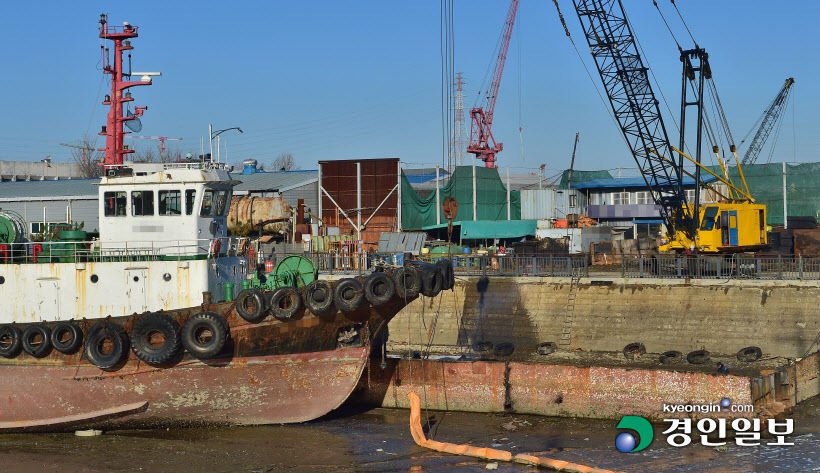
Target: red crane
482,143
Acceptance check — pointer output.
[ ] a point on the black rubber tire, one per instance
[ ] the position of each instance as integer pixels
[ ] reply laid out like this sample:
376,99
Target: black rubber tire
41,350
504,349
284,303
100,332
251,305
636,348
749,354
70,345
204,348
670,357
547,348
482,346
408,282
11,341
145,327
431,283
318,298
698,357
348,294
445,267
379,288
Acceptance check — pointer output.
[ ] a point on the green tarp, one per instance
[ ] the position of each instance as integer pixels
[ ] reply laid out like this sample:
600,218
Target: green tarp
489,229
766,186
490,190
582,176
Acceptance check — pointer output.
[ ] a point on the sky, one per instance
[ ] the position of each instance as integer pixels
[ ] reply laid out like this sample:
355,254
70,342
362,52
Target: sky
330,80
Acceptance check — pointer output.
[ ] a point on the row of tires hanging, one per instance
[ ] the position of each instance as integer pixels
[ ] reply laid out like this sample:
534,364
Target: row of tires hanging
324,298
157,338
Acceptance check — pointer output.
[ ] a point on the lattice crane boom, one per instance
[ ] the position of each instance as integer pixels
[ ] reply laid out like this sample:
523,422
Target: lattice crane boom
770,117
636,109
482,143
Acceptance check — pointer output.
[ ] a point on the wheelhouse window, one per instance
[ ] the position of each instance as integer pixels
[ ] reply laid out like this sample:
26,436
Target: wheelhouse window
222,202
115,204
190,197
170,203
709,218
142,203
208,203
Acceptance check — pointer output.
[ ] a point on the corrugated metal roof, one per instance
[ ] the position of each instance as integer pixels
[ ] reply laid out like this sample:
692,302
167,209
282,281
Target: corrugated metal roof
62,187
282,180
624,182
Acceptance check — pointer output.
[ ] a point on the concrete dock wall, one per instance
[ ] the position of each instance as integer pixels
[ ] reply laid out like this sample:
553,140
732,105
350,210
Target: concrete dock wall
719,316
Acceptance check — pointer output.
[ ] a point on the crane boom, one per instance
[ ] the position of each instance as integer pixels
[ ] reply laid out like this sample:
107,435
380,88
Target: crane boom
770,117
636,109
482,143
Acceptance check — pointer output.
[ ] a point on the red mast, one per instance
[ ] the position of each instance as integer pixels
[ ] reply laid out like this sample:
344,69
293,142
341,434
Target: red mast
482,143
114,147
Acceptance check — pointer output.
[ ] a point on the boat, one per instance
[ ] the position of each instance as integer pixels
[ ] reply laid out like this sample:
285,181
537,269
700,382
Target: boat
139,327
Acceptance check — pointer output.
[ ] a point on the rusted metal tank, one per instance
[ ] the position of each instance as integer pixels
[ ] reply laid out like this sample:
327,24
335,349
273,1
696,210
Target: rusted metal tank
273,212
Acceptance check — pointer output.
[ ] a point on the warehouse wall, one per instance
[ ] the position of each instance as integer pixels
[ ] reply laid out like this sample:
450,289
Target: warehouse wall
57,210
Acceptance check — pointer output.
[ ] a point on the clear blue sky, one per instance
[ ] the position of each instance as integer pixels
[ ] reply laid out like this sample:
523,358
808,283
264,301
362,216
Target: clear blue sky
340,80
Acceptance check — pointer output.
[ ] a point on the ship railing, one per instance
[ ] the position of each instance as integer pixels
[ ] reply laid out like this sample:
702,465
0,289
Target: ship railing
779,267
96,251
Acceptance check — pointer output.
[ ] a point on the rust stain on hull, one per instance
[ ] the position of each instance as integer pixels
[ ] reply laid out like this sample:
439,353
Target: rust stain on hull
269,372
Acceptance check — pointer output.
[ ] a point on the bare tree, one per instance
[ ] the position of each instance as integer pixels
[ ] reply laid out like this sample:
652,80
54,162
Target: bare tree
87,159
145,156
285,162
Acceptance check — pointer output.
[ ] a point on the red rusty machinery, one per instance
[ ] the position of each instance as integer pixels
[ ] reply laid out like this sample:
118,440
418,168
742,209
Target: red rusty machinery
450,210
114,132
482,143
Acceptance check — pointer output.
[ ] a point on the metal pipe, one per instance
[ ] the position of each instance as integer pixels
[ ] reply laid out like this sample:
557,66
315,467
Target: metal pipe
398,206
211,141
438,200
785,203
475,201
509,210
359,199
319,191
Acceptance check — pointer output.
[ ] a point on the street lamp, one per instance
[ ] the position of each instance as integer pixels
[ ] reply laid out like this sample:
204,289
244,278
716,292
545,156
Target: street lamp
215,134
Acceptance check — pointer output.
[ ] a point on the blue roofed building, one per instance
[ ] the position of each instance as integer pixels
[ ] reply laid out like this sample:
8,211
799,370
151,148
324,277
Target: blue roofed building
626,204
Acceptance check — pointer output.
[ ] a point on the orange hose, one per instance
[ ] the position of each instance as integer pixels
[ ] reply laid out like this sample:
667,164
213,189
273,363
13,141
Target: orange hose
487,453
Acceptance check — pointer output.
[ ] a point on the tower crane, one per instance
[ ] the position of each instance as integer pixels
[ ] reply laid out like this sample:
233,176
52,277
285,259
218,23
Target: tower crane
767,123
482,144
161,140
736,225
84,148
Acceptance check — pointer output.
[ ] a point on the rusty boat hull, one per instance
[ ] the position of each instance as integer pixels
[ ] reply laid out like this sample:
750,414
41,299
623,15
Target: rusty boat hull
270,372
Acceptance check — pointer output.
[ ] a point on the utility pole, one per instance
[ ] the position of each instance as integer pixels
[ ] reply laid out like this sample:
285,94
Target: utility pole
211,140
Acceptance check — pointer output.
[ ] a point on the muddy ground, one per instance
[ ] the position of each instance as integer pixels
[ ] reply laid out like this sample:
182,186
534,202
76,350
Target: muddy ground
353,439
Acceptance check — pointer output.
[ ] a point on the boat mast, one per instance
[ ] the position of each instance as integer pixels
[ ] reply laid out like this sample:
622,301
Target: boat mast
114,147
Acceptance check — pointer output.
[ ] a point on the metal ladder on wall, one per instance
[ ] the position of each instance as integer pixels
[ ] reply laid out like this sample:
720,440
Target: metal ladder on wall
566,330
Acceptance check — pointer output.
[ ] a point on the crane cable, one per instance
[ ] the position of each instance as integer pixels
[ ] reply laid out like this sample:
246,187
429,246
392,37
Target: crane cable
591,79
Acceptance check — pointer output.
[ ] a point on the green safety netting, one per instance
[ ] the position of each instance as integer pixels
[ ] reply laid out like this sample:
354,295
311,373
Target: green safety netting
491,196
582,176
766,186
